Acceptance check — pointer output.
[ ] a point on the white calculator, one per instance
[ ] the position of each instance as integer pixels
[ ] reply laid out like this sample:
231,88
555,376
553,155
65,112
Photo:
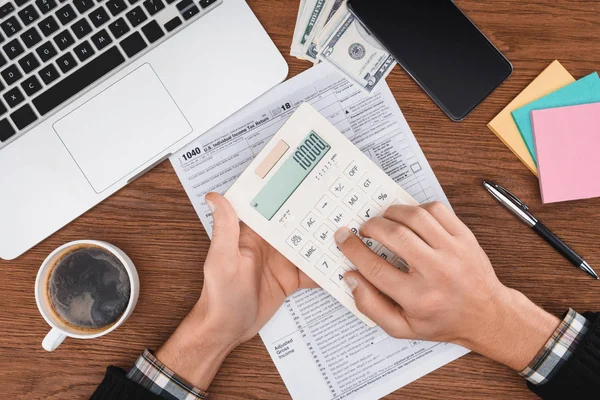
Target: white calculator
306,183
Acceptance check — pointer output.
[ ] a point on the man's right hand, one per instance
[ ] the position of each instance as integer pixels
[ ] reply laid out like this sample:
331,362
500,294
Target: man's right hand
450,292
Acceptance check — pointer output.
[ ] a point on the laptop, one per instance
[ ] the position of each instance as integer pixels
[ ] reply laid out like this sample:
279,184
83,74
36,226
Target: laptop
94,93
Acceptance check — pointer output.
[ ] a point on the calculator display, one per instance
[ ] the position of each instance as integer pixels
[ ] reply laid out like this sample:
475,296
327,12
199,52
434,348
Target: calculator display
291,174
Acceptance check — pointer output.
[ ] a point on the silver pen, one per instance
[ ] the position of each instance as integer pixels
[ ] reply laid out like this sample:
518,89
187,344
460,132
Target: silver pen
521,211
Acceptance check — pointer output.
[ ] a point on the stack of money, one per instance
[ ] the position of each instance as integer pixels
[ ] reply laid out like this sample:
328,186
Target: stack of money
326,31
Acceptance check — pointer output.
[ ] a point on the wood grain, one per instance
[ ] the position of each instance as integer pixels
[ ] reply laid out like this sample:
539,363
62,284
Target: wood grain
153,221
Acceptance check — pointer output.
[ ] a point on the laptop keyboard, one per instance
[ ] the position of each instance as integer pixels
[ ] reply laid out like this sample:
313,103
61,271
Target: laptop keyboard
51,50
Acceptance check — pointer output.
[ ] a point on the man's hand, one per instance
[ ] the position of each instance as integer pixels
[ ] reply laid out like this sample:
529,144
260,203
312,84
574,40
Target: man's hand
245,282
450,292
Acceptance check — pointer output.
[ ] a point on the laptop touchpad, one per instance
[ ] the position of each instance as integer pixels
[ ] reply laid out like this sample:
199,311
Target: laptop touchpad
125,126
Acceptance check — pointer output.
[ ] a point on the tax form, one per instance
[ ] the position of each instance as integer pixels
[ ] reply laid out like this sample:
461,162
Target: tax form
321,350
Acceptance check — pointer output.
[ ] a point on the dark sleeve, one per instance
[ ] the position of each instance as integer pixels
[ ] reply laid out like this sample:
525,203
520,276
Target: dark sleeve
579,377
116,386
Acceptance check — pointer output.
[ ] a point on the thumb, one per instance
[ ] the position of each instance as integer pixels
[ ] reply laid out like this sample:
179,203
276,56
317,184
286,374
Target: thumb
226,226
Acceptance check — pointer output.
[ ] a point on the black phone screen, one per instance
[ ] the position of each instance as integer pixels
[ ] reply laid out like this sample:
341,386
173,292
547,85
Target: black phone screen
439,47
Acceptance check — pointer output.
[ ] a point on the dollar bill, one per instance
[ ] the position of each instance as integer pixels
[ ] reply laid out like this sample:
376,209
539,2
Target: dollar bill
356,53
329,10
295,50
306,24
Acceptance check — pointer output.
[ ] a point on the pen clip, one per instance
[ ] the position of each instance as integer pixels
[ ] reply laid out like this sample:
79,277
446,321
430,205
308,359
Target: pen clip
512,197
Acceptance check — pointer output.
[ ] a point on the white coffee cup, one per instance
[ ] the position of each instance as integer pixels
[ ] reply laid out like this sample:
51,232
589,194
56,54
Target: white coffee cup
60,330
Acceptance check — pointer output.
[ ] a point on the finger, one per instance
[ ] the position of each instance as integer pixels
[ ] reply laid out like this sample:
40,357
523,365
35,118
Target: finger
421,222
226,226
446,218
399,238
379,272
379,308
304,282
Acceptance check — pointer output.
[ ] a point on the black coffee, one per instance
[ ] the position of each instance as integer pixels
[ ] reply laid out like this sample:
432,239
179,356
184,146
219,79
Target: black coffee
89,288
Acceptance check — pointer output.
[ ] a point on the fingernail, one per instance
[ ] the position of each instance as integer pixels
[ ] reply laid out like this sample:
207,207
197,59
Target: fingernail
342,234
210,205
351,282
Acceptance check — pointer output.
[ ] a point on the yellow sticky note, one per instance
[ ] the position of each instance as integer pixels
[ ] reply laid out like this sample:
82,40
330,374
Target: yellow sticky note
554,77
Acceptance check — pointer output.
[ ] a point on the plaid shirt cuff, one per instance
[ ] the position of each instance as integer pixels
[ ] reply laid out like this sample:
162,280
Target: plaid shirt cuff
557,350
153,375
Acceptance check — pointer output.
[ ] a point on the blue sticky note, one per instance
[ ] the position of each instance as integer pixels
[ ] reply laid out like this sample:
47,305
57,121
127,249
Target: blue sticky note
584,91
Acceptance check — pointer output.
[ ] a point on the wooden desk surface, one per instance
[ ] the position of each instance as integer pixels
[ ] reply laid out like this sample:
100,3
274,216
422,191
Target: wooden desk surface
154,222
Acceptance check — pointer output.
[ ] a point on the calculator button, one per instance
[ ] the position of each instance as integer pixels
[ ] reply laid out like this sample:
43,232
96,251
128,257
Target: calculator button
310,252
325,264
353,171
339,217
366,184
385,253
324,205
354,227
382,196
324,233
400,264
338,278
295,240
372,244
310,222
368,211
339,188
336,250
354,200
349,264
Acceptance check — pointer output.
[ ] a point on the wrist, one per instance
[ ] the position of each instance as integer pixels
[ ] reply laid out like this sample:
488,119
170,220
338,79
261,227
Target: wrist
514,330
196,350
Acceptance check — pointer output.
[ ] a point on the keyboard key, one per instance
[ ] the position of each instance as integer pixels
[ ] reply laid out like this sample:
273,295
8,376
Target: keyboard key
81,28
116,7
49,74
45,6
20,2
31,85
66,62
354,227
309,222
99,16
172,24
132,2
29,14
190,12
11,74
385,253
133,44
368,211
13,97
366,184
338,277
325,233
66,14
295,240
11,26
31,37
382,196
184,4
324,205
29,63
83,51
339,217
372,244
46,51
153,6
170,1
119,28
2,62
136,16
6,129
78,80
339,188
206,3
64,39
23,117
13,49
48,26
310,252
353,200
1,38
326,265
152,31
353,171
83,5
101,39
6,9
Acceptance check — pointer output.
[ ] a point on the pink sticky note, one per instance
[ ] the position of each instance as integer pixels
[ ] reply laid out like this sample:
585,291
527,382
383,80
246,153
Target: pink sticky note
567,143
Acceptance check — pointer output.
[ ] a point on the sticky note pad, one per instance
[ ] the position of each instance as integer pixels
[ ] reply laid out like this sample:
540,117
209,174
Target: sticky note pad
567,141
585,90
554,77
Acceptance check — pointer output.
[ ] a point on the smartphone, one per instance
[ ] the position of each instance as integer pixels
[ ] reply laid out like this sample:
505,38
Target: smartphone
443,51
